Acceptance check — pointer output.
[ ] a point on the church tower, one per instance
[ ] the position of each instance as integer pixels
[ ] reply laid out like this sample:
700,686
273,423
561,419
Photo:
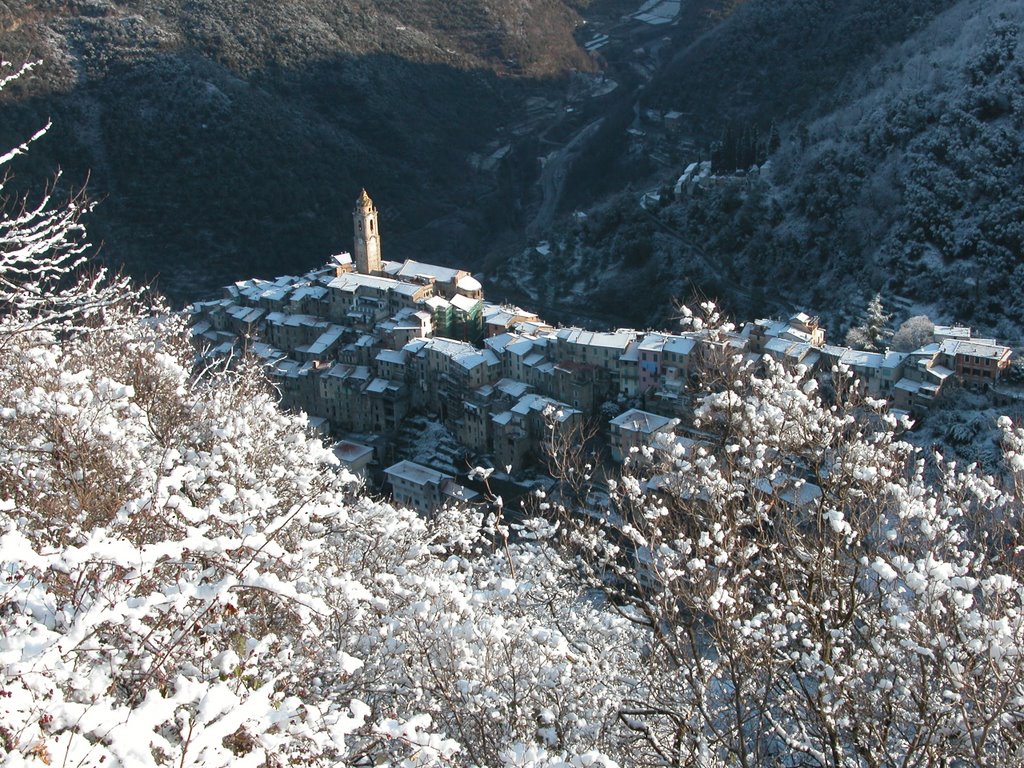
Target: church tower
367,236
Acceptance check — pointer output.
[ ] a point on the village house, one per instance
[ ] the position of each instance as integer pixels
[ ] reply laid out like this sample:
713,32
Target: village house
976,362
629,370
499,319
634,430
424,489
519,433
801,328
355,457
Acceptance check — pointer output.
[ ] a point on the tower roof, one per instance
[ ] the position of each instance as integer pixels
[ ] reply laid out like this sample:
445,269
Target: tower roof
363,201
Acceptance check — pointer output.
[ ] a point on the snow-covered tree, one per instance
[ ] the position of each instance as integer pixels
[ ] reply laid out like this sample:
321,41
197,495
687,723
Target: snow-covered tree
913,333
810,596
874,330
190,580
44,283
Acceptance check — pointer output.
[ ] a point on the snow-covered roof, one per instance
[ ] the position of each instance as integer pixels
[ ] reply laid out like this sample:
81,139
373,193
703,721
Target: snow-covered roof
295,321
394,356
248,315
619,339
349,451
453,490
908,385
974,349
205,306
795,334
502,418
772,327
469,284
462,353
505,315
414,269
533,402
861,359
531,327
943,332
679,345
352,281
520,346
416,473
788,348
831,350
464,303
631,355
309,292
894,359
500,342
339,371
326,340
512,387
652,342
277,293
635,420
408,289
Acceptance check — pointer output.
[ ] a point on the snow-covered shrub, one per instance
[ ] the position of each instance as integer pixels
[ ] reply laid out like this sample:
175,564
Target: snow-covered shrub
811,597
189,579
914,333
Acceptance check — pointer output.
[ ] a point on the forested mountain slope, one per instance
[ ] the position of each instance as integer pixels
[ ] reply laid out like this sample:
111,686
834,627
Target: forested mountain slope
904,178
898,168
229,138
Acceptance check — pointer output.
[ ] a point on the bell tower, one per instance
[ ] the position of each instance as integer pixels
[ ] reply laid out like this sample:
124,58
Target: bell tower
367,236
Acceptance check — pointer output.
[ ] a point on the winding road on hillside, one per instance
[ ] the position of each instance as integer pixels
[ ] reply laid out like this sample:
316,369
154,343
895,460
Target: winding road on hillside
553,176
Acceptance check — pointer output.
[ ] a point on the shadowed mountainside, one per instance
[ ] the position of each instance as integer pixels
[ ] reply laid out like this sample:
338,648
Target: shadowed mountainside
896,169
229,138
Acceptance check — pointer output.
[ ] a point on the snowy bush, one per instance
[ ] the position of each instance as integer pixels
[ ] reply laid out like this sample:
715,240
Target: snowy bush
191,581
914,333
811,596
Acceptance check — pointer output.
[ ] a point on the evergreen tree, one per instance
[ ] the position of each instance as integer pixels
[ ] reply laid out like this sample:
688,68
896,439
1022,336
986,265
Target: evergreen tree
878,322
874,332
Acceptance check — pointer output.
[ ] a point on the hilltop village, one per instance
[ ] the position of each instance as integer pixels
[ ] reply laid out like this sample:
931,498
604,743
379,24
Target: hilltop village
364,343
